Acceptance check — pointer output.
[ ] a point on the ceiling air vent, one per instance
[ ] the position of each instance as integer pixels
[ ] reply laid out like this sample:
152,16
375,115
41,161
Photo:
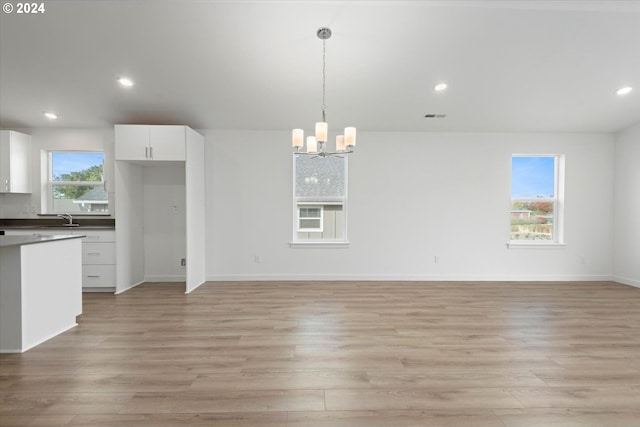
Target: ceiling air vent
435,116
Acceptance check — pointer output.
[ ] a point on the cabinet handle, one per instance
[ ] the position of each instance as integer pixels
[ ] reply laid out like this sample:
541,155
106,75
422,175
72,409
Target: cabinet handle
151,152
94,276
146,152
93,253
6,185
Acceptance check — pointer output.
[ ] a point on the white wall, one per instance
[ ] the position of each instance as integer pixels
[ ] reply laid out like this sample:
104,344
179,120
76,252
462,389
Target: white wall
451,199
28,205
626,253
450,194
164,223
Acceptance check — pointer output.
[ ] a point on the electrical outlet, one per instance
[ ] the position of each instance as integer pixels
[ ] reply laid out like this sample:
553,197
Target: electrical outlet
183,262
436,259
256,259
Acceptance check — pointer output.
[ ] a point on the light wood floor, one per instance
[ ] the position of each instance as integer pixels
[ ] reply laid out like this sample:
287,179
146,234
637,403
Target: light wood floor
338,354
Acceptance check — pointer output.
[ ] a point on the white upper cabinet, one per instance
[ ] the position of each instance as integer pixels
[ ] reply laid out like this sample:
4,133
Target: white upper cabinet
15,156
150,143
132,142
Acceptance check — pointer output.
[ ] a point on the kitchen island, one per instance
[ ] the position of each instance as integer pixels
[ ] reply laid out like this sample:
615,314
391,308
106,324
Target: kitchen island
40,289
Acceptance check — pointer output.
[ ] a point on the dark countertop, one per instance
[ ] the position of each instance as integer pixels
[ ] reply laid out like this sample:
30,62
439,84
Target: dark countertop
94,222
6,241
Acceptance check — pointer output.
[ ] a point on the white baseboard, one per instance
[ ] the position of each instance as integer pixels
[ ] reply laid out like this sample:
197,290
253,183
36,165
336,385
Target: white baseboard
626,281
152,278
127,288
109,289
408,277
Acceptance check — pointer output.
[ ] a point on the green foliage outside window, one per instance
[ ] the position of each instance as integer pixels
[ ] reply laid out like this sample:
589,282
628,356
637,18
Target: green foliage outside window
92,174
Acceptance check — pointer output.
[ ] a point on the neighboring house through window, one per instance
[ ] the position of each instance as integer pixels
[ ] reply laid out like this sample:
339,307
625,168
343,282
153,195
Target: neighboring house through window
320,190
76,182
537,198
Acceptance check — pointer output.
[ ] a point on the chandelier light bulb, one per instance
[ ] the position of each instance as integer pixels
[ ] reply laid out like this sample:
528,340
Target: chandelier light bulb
350,137
322,128
297,138
312,144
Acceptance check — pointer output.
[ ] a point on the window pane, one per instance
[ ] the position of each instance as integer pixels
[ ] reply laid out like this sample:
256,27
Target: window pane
76,166
309,212
532,177
79,198
532,220
319,177
310,224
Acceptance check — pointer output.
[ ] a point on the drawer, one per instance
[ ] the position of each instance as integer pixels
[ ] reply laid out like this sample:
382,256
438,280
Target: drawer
98,253
98,275
97,235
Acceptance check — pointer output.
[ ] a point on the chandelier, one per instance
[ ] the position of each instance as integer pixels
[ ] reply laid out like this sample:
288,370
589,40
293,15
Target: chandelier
316,145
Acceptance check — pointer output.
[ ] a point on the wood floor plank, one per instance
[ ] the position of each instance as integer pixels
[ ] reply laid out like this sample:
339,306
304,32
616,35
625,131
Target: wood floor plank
296,354
603,397
459,418
576,417
414,398
454,379
296,380
243,419
225,401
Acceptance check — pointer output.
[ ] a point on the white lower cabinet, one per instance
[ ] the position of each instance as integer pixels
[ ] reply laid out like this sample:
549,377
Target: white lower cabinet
98,255
97,277
98,260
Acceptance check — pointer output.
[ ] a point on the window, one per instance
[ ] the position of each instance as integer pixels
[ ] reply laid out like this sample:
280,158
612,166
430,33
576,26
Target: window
320,187
76,182
310,218
536,198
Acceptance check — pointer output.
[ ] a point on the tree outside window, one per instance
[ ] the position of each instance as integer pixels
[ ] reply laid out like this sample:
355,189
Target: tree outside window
76,182
536,198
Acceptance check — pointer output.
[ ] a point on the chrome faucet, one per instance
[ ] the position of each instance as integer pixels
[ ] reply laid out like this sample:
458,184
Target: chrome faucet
67,217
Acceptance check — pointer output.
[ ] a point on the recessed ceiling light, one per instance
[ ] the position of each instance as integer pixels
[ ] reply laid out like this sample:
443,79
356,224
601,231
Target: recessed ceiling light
49,115
125,81
624,90
440,87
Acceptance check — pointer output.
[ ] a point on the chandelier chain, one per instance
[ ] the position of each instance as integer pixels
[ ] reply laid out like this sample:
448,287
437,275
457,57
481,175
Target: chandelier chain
324,77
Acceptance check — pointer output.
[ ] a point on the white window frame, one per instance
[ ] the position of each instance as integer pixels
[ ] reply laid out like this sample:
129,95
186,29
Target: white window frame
558,205
341,201
51,183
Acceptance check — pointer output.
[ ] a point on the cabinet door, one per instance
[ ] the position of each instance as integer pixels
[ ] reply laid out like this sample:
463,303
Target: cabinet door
5,161
167,142
15,156
132,142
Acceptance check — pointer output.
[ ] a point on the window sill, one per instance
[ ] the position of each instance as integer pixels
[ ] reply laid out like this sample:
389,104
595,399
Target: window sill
529,245
317,244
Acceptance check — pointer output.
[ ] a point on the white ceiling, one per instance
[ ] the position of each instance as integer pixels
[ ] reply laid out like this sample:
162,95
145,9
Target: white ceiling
513,66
